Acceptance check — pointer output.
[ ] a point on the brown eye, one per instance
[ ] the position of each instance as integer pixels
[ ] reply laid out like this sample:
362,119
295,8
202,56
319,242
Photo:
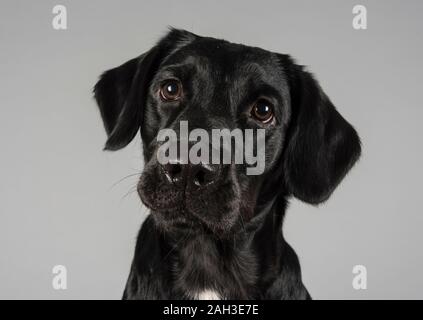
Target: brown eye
171,90
262,111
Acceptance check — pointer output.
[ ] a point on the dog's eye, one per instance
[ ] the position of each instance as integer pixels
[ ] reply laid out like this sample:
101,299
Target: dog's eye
262,111
171,90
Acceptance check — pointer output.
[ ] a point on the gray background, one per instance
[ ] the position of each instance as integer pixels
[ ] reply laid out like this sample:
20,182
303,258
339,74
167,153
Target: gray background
59,201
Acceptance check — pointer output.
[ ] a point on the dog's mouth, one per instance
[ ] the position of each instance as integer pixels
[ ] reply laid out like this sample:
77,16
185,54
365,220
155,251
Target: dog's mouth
188,215
211,209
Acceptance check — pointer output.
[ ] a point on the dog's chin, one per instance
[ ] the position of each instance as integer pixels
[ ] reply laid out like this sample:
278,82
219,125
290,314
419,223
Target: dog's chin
178,219
174,220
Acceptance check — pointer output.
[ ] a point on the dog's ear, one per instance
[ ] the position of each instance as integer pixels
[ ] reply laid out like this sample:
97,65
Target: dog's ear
120,93
322,146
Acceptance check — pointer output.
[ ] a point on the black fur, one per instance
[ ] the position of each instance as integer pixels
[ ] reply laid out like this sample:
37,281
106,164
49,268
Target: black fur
225,237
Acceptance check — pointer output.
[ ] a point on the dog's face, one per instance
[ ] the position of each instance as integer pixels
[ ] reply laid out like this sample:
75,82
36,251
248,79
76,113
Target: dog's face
214,84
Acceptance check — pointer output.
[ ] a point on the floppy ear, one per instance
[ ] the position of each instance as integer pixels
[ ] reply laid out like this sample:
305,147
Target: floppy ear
322,145
120,93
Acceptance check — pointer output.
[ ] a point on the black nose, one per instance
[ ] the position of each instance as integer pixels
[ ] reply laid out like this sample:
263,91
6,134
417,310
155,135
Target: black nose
197,175
203,174
175,172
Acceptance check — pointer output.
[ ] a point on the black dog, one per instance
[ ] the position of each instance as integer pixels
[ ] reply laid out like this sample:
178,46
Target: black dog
215,232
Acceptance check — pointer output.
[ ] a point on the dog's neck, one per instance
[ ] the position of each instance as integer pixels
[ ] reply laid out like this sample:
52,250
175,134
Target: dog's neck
204,266
247,265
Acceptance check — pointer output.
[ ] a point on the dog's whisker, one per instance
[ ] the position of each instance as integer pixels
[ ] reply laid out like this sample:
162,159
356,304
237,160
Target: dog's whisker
131,191
124,178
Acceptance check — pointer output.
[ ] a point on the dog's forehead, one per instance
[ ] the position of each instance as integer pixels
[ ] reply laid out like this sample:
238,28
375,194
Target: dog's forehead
224,58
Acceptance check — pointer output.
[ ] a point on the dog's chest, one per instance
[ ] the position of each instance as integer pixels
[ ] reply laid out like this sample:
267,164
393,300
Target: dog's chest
208,295
202,272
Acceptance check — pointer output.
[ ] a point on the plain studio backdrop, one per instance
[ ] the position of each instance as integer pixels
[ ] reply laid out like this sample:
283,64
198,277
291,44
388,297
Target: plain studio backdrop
62,200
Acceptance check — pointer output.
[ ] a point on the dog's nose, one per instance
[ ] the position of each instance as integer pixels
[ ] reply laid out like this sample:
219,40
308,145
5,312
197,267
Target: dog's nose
197,175
203,174
175,172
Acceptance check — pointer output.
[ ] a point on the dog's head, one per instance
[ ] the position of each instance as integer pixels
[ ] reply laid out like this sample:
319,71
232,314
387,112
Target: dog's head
209,84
